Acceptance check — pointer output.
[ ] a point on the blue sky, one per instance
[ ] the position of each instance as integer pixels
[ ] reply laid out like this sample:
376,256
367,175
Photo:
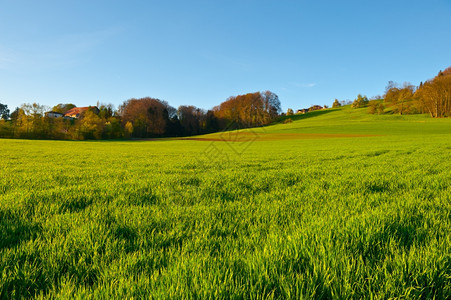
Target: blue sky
202,52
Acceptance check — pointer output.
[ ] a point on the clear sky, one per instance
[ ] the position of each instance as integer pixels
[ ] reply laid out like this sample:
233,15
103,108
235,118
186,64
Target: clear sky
202,52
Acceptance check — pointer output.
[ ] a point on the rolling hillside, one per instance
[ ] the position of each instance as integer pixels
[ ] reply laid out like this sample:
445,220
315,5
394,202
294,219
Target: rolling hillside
337,204
348,121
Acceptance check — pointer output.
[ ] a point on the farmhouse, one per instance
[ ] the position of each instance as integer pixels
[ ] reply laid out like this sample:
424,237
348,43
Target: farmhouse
54,114
315,107
302,111
76,112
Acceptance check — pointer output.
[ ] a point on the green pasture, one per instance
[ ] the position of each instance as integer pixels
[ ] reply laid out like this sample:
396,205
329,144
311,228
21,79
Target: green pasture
322,218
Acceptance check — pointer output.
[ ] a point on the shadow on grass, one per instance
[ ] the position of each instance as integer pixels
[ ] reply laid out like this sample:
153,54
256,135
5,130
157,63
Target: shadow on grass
308,115
14,229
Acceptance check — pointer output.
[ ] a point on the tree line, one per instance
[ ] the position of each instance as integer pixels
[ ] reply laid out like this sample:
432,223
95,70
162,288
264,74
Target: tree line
139,118
432,97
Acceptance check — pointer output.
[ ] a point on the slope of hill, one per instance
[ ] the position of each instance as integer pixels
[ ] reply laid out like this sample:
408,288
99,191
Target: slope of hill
340,122
349,120
336,205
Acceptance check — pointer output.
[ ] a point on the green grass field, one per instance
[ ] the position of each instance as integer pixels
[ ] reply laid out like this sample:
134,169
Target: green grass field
338,204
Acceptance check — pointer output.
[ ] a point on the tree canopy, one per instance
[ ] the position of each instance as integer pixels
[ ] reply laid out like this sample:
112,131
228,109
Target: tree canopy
249,110
360,101
149,116
336,103
4,112
434,96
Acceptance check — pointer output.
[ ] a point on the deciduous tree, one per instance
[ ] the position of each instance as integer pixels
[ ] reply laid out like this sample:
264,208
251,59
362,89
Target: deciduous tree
192,119
149,116
91,125
63,107
435,95
360,101
399,98
249,110
4,112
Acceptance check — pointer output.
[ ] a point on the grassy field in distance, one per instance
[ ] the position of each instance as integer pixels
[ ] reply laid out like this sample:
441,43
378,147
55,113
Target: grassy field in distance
337,204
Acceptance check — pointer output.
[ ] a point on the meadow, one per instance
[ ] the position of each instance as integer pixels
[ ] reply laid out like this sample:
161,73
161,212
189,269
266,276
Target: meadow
337,204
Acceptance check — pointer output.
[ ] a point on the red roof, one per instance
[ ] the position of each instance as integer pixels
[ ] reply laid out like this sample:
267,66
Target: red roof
76,111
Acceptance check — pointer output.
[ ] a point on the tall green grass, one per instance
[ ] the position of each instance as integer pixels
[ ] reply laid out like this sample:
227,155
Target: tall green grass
365,217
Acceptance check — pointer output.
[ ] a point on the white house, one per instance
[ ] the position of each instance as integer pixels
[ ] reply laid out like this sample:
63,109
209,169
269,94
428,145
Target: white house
54,114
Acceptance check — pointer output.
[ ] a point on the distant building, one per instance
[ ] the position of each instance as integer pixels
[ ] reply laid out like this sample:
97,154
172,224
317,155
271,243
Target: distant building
302,111
315,107
76,112
54,114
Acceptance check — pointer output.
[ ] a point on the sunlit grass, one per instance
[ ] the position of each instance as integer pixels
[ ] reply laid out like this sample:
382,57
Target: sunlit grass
348,217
